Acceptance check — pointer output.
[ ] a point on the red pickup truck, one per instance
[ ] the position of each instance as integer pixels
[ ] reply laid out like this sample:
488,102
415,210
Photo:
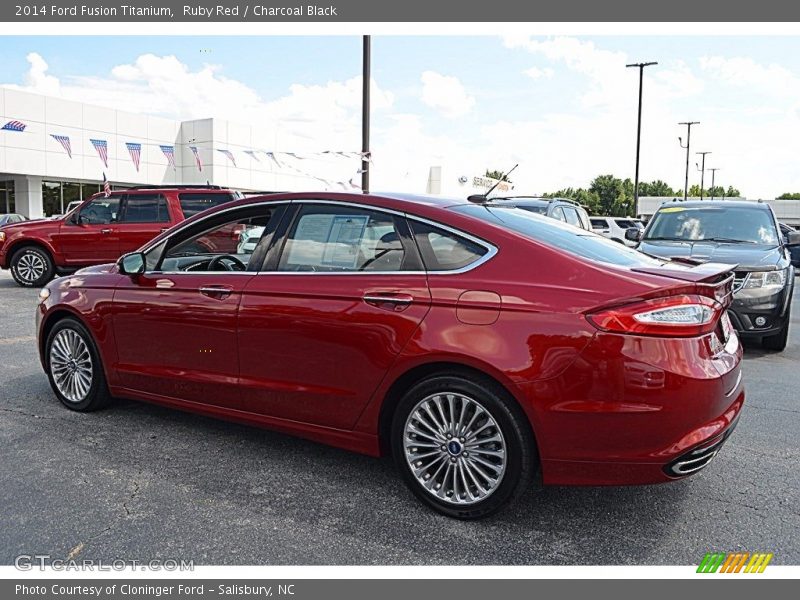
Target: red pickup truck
100,230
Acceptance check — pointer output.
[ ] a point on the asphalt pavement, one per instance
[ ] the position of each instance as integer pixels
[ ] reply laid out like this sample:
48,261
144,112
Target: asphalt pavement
140,482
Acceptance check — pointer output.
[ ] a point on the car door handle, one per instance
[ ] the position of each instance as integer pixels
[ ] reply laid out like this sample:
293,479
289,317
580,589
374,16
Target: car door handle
106,231
219,292
163,229
388,300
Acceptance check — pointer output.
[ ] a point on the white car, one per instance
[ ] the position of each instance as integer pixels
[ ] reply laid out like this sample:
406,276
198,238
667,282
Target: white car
248,240
614,227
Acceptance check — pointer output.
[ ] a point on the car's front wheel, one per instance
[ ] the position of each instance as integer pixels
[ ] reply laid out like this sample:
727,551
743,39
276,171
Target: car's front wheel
463,445
32,266
74,368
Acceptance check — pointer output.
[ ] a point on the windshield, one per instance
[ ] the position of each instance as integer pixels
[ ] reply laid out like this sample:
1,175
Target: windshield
735,224
580,242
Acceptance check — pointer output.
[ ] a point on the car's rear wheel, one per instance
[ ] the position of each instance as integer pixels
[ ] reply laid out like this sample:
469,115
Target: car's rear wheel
32,266
463,445
74,368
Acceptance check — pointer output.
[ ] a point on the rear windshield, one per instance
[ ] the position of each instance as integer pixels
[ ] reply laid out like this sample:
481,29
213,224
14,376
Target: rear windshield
733,224
579,242
196,202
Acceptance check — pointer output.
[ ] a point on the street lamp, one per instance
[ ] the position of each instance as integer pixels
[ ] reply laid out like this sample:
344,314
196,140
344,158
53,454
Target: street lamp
713,178
641,67
702,171
688,142
366,79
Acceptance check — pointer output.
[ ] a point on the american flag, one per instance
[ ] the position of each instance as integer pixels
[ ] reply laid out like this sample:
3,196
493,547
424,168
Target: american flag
169,152
135,152
229,156
252,153
271,156
196,153
102,150
64,141
14,126
106,186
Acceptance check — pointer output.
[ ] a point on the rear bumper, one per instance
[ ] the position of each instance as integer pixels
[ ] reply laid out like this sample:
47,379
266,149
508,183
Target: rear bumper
631,408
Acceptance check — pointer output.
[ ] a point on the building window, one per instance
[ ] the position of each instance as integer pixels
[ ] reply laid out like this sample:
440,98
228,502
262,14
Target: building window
7,203
51,198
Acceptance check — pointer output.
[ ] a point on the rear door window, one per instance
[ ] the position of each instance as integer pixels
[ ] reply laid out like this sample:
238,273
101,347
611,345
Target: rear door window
445,251
145,208
196,202
571,216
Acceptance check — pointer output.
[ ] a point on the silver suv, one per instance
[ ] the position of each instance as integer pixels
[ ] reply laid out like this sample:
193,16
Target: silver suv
562,209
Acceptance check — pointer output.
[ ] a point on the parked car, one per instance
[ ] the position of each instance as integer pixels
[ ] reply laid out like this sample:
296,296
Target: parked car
740,233
614,228
478,344
100,230
563,209
10,218
794,249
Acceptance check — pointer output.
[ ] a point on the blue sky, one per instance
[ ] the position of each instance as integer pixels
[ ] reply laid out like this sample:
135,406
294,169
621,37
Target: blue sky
563,107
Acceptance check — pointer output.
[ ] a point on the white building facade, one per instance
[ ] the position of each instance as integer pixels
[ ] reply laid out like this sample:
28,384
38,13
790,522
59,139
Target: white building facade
48,157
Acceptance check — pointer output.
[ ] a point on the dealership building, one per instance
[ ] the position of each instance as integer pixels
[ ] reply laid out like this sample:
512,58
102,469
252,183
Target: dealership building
55,151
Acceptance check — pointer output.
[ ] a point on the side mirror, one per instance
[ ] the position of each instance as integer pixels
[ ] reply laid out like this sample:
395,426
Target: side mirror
633,234
131,264
793,238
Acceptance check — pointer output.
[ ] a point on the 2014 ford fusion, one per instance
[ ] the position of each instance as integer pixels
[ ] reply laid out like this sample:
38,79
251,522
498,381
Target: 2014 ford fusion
478,344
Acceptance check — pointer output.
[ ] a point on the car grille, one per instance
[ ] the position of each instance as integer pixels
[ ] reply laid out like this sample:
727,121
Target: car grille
696,459
739,279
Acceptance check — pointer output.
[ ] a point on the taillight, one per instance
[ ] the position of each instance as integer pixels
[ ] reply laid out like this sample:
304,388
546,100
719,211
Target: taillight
684,315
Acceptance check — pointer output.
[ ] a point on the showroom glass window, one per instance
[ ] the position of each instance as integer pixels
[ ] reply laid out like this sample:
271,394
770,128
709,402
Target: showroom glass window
51,198
145,208
7,196
100,211
340,239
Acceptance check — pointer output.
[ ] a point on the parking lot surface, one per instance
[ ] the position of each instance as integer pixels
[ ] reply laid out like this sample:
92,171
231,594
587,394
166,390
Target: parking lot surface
140,482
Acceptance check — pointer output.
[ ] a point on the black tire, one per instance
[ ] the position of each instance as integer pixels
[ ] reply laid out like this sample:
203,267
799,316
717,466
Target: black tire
32,266
778,341
521,456
97,395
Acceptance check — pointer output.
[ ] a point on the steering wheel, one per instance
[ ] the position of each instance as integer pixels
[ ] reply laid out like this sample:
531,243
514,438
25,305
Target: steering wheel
233,264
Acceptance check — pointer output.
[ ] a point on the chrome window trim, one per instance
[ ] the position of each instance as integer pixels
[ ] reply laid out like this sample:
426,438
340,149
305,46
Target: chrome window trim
491,249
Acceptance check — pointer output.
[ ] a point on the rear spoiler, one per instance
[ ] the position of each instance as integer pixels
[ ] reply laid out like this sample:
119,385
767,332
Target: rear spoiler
712,279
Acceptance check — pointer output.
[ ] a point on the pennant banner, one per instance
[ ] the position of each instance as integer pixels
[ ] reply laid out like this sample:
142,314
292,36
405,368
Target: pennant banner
64,141
229,156
252,153
169,152
135,151
197,160
102,150
14,126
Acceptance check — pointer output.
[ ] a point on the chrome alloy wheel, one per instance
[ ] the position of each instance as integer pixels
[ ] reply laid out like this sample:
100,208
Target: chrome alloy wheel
30,267
71,365
454,448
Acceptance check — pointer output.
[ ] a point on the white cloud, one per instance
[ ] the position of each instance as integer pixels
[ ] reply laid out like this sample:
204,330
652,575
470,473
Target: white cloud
323,115
446,94
537,73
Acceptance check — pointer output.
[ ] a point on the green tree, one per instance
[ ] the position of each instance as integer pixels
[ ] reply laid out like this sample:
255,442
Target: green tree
789,196
580,195
655,188
495,174
718,192
615,196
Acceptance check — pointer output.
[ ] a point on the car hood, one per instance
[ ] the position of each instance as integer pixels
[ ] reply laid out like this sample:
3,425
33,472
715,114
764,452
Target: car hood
747,256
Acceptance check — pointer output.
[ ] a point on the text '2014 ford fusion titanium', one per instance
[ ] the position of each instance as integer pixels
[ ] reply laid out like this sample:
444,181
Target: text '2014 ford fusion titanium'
479,345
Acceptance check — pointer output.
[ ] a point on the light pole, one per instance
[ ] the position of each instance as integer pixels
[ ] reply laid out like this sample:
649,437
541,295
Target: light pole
641,67
702,171
688,142
713,178
365,82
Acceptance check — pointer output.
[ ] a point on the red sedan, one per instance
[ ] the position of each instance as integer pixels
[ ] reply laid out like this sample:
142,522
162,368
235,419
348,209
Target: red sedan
478,344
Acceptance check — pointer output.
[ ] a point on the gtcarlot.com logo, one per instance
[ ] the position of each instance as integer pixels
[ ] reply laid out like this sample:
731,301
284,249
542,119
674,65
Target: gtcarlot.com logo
737,562
28,562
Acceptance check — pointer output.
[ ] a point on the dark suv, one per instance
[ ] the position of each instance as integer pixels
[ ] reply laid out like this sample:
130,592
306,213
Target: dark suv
734,232
100,229
562,209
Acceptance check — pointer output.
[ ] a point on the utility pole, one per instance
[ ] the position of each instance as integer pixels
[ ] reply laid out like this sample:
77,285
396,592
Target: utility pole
365,109
641,67
713,178
702,171
688,142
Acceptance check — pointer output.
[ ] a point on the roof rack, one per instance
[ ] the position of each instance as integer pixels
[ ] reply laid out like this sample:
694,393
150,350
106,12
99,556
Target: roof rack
263,192
175,186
